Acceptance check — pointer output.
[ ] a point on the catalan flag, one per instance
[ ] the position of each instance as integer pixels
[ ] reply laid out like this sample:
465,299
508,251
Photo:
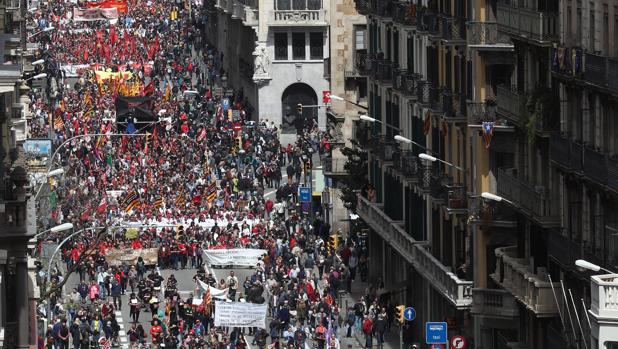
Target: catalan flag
58,122
180,199
147,142
211,192
131,201
158,203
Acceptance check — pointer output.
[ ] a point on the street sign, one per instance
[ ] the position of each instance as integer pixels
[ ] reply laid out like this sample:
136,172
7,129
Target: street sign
304,194
435,333
326,97
409,314
225,104
458,342
305,207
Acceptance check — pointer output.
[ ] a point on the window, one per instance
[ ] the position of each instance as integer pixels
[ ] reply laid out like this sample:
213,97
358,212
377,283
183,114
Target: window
281,46
298,46
316,43
314,4
283,4
299,5
359,37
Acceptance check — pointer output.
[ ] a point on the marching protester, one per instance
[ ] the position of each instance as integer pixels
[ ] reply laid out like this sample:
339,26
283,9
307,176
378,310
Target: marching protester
190,180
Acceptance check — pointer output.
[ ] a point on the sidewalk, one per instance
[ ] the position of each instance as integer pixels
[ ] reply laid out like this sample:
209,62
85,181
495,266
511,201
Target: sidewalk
391,340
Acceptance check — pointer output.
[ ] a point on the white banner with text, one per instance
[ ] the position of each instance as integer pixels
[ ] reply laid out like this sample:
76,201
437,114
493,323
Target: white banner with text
239,314
237,256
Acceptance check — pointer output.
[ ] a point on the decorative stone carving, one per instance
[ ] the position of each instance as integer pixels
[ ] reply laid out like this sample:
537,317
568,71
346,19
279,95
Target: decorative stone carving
261,73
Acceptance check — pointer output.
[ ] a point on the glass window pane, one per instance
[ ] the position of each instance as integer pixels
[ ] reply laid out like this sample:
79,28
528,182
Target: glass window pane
314,4
360,38
299,4
316,42
281,46
283,4
298,46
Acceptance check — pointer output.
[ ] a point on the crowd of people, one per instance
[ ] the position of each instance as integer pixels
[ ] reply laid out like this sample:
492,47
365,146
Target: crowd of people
194,180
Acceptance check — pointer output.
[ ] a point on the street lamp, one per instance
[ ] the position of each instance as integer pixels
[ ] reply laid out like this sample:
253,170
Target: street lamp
338,98
494,197
50,173
368,118
430,158
403,139
590,266
36,77
56,229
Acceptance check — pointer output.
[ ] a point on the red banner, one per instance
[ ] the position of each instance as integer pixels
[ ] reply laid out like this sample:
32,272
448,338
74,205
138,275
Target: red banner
120,5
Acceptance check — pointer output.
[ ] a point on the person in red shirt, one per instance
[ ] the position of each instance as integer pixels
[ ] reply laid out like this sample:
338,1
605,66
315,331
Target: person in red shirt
156,330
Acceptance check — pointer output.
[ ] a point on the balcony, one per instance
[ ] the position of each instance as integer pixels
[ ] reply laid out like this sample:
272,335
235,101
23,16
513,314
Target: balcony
453,30
594,165
534,201
566,251
453,106
409,83
601,71
435,104
285,18
427,23
247,11
405,13
486,37
538,26
363,7
334,167
457,199
457,291
383,147
567,62
362,64
531,289
479,112
381,8
382,70
407,165
422,92
362,132
604,303
490,214
510,104
493,303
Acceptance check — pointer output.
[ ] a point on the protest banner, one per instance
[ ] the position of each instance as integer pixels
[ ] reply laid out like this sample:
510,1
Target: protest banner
116,257
236,256
214,292
119,5
94,14
240,314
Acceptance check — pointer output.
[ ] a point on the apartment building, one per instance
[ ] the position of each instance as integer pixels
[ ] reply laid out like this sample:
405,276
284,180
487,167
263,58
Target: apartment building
420,237
274,50
509,97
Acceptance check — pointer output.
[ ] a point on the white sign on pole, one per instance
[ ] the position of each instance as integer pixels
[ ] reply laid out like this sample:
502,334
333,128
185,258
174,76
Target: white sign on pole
237,314
236,256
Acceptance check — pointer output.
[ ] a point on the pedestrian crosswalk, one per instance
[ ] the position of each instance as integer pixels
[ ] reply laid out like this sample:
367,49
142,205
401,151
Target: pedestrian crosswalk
122,334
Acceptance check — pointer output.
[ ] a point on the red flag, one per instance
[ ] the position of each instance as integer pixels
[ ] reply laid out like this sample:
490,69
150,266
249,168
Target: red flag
102,206
149,89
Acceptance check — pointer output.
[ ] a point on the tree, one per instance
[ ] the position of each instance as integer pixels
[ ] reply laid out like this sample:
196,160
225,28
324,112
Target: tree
356,168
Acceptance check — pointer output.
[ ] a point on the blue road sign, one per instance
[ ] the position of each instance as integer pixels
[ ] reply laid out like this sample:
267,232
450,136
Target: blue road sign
304,194
435,333
225,104
409,314
305,207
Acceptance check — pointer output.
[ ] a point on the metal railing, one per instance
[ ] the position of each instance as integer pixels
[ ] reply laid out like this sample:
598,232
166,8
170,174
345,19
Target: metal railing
405,13
601,70
486,34
363,7
362,62
479,112
382,70
456,290
422,92
457,197
568,61
407,164
532,24
435,103
453,29
509,103
531,199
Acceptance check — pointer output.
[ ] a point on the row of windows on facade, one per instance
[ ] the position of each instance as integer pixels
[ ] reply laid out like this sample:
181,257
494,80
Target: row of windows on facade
299,46
287,5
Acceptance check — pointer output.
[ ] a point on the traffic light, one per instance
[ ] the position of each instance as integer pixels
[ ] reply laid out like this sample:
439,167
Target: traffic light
299,108
399,314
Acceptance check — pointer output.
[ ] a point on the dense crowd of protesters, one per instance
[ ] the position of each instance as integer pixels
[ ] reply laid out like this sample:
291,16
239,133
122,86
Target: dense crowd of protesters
196,180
